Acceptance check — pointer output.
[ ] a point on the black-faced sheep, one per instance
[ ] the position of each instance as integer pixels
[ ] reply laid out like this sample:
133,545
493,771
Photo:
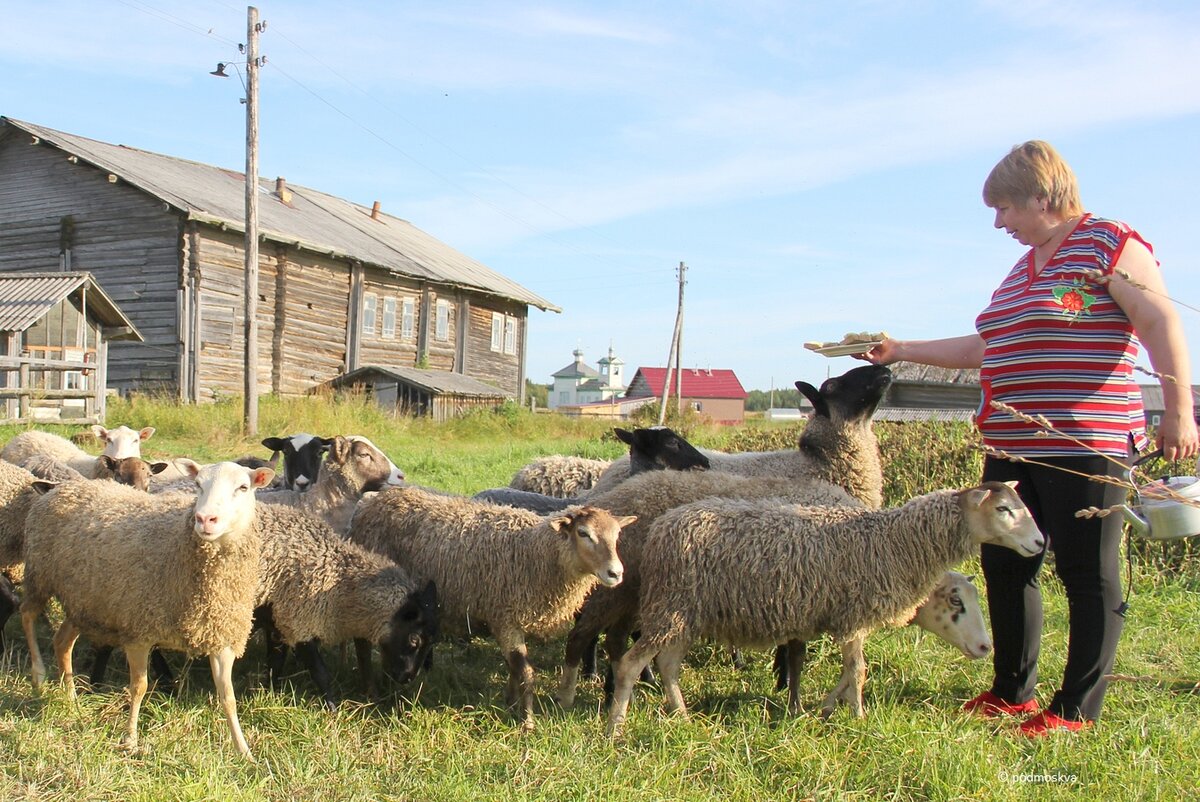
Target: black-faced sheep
758,573
354,466
510,569
137,570
318,588
302,455
118,443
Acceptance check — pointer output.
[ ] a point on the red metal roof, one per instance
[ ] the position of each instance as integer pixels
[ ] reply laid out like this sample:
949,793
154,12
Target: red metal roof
697,382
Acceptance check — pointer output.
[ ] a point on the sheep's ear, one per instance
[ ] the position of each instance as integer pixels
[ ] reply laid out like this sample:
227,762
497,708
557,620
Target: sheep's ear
974,497
43,486
624,435
428,594
274,460
340,449
108,462
814,397
261,477
188,467
971,578
1012,483
146,434
625,520
158,467
274,443
559,523
100,432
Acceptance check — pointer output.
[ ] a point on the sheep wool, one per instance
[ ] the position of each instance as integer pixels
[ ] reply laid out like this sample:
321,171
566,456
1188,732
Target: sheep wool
560,476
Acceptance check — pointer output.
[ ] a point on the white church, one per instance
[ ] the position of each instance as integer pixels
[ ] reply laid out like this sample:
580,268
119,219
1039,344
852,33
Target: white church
579,383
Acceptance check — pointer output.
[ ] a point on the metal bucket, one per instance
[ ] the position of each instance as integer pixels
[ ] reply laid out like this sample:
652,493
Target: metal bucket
1167,508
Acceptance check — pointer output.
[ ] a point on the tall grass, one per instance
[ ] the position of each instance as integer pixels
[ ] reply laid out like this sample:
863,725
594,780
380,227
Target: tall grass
448,736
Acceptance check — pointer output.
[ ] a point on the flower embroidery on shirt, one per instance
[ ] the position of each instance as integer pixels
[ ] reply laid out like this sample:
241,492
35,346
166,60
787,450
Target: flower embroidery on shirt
1074,298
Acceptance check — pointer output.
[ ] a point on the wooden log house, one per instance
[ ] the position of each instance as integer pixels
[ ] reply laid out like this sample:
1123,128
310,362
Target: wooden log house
340,285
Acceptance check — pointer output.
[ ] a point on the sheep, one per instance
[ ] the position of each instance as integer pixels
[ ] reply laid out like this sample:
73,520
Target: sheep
132,471
557,475
119,442
951,611
16,494
318,587
354,467
648,496
757,573
650,449
518,573
137,570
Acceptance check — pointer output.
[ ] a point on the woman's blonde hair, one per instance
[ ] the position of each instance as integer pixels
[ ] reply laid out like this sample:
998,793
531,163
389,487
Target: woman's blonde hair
1034,170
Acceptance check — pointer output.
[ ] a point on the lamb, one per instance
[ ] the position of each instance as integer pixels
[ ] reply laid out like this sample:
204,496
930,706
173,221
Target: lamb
757,573
317,587
354,467
132,471
518,573
118,443
137,570
650,449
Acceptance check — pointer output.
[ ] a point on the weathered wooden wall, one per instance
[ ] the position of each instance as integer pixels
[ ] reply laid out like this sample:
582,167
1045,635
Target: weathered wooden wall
125,238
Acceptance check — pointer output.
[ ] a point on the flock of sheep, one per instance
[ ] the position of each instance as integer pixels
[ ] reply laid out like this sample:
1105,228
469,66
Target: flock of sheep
669,544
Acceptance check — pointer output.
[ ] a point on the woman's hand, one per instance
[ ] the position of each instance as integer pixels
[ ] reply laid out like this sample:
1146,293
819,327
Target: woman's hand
885,353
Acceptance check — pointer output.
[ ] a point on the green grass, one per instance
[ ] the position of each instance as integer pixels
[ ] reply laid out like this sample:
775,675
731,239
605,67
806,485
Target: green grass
449,737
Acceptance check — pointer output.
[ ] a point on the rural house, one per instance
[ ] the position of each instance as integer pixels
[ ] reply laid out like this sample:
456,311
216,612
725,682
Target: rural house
340,285
716,394
579,383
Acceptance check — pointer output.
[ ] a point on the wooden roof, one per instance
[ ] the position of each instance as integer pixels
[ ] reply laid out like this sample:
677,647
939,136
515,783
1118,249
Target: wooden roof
25,298
440,382
928,374
312,220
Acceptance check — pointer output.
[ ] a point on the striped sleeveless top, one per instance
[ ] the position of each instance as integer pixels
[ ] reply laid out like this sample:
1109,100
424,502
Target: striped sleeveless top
1058,345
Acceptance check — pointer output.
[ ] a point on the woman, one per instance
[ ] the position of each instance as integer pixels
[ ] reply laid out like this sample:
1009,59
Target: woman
1058,339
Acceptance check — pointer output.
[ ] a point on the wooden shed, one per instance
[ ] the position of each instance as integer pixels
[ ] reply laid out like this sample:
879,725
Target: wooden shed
340,285
437,394
54,334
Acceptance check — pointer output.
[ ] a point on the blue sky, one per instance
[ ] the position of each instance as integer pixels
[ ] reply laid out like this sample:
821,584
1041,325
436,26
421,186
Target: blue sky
816,165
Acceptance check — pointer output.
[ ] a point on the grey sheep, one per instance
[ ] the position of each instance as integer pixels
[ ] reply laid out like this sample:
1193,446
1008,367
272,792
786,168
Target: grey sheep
510,569
558,475
757,573
353,467
651,448
136,570
319,588
119,442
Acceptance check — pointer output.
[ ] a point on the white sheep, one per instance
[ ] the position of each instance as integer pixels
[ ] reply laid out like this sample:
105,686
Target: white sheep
510,569
118,443
137,570
758,573
319,588
558,475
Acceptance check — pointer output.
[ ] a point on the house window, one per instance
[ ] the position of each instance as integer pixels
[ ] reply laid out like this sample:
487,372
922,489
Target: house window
389,318
407,309
510,335
564,397
368,323
497,331
442,329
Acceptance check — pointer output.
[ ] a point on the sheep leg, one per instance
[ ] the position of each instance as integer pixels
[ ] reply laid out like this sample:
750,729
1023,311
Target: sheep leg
29,614
276,656
362,648
64,646
627,671
100,655
795,652
519,693
137,656
9,602
589,658
669,661
221,664
162,671
850,683
310,656
616,642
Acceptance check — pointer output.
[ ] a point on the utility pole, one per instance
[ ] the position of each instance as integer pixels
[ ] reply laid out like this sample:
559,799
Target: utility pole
253,28
674,354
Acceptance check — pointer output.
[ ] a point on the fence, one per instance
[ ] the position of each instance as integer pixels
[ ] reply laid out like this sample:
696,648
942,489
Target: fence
24,402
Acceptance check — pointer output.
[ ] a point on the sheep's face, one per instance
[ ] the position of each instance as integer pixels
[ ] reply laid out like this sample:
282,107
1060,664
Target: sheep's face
851,398
660,448
952,612
122,441
593,533
132,471
225,501
302,455
994,513
371,465
407,646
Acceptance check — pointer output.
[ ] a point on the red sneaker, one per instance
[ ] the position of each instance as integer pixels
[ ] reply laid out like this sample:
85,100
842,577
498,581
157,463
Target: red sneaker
1045,723
989,705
